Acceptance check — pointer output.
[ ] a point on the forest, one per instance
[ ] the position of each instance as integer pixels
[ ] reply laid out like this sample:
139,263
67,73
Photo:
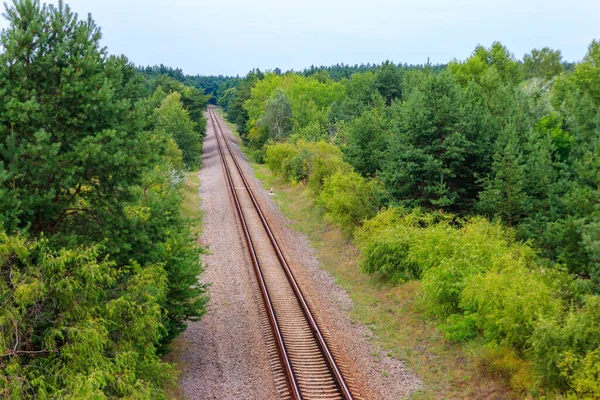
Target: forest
480,179
98,265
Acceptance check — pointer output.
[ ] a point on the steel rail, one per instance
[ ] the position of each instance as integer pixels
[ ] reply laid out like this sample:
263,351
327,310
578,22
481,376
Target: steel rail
340,381
285,359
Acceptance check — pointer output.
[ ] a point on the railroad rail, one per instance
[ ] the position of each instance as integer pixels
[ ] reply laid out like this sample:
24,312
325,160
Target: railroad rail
307,362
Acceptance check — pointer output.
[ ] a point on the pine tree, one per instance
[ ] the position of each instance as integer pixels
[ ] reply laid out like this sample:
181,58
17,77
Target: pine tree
368,138
428,161
68,138
504,193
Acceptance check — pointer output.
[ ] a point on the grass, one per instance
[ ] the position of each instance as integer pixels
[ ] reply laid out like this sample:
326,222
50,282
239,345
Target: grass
392,312
190,208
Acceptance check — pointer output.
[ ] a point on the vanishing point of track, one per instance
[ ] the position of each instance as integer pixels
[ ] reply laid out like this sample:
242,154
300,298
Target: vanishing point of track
308,364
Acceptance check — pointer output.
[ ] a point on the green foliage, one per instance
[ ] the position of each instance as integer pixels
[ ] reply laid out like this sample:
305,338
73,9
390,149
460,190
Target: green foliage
545,63
496,58
564,343
393,244
277,118
460,328
78,326
367,142
505,195
172,118
388,81
475,248
507,301
236,111
348,199
430,160
282,160
310,100
45,139
587,73
227,99
308,162
486,284
583,374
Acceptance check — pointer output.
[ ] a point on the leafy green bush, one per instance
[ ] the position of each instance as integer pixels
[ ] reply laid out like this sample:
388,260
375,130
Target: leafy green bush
485,283
326,159
583,373
308,162
348,199
562,343
69,332
391,243
475,247
460,328
278,157
427,246
507,302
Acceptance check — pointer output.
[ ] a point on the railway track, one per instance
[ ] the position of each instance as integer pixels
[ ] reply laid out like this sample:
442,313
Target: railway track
305,366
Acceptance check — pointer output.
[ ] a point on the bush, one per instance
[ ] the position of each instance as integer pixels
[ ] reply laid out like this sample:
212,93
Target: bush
474,248
401,233
583,374
460,328
348,199
326,159
308,162
561,344
428,246
278,156
507,302
73,333
391,243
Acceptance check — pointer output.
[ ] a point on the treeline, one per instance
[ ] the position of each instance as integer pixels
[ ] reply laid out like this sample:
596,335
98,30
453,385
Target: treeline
344,71
480,180
212,85
98,267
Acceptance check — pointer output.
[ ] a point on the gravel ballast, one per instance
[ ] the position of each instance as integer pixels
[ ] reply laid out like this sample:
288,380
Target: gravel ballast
225,354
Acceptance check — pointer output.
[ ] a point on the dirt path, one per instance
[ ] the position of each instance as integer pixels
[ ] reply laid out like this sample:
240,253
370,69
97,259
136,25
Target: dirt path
225,354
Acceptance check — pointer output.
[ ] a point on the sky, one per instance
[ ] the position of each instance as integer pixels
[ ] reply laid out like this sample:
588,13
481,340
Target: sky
230,37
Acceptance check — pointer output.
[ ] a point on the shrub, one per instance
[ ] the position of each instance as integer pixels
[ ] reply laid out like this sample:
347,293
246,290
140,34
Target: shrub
73,333
393,244
506,302
460,328
474,248
348,199
308,162
326,159
278,156
583,373
561,343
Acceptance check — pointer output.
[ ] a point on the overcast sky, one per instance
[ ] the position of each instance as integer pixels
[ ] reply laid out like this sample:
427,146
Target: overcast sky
233,36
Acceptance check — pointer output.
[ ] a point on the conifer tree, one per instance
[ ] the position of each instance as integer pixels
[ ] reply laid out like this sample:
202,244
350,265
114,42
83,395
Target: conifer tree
367,141
504,194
